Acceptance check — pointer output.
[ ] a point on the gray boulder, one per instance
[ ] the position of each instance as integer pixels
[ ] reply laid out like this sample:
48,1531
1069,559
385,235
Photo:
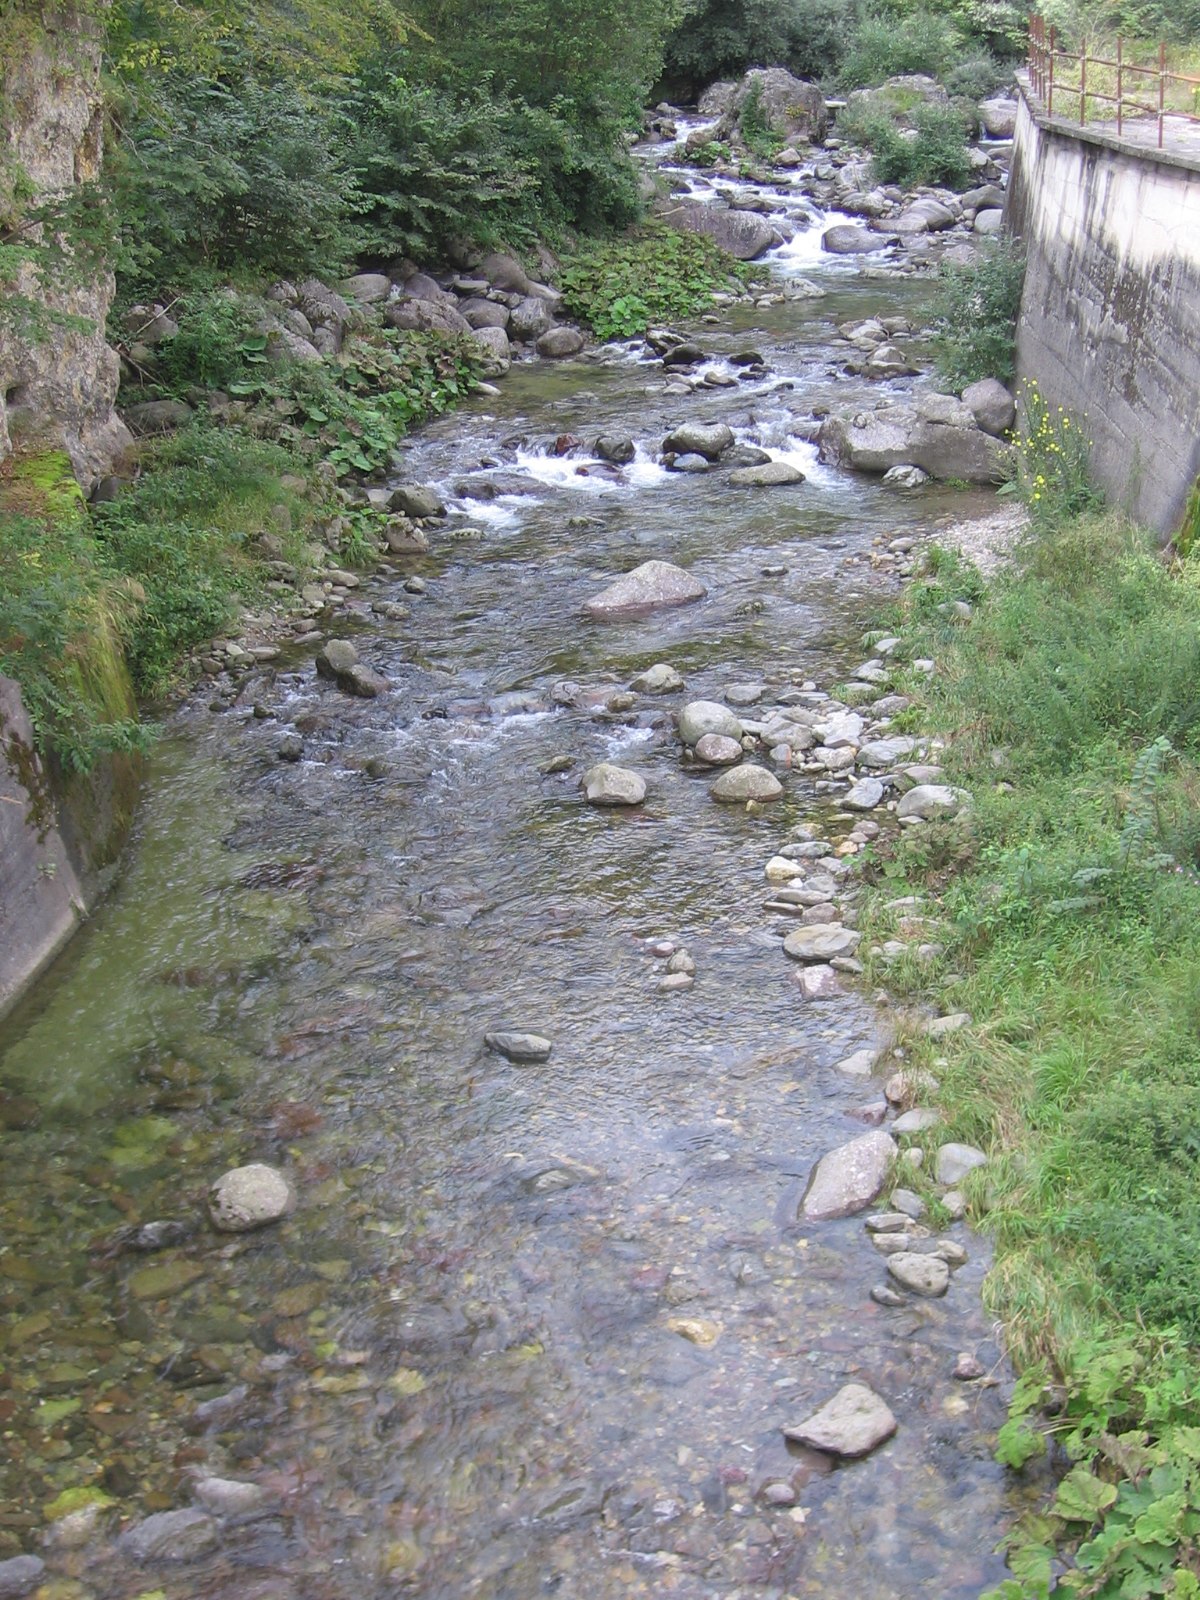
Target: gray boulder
556,343
417,500
742,234
517,1046
745,783
493,341
530,318
715,101
899,97
707,439
895,436
422,287
998,117
20,1574
846,239
506,272
170,1536
847,1179
954,1161
820,941
791,108
716,750
425,316
699,717
924,216
606,784
988,222
990,403
661,678
482,313
772,474
944,408
367,288
618,448
924,1274
928,802
157,416
650,587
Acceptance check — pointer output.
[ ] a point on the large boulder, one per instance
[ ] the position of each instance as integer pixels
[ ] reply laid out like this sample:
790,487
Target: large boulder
998,117
925,215
481,313
556,343
653,586
772,474
367,288
847,239
789,107
895,436
496,351
715,101
741,784
606,784
530,318
425,316
742,234
507,273
701,717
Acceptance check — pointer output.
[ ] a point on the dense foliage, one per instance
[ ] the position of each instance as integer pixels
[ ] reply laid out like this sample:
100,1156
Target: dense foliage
975,315
621,290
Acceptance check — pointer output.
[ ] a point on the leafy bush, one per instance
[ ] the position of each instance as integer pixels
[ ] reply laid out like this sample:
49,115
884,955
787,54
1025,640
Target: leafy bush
884,46
227,177
623,288
975,76
935,153
721,38
975,316
210,350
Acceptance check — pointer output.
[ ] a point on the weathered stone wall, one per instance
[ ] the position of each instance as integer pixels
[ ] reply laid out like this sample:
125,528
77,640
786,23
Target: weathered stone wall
1110,318
59,842
58,390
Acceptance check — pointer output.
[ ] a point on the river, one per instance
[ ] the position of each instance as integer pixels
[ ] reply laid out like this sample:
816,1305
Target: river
457,1368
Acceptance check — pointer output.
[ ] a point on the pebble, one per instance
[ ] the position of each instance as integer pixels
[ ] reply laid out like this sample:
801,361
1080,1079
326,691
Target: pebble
967,1367
229,1497
884,1295
859,1065
675,983
170,1536
741,784
819,982
865,795
681,961
917,1120
955,1203
19,1575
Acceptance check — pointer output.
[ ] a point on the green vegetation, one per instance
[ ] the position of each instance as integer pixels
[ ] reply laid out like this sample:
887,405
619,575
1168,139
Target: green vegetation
936,154
975,315
623,288
1068,895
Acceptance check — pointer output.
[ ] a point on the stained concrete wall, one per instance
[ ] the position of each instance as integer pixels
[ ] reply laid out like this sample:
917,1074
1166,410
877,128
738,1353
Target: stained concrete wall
1110,317
59,842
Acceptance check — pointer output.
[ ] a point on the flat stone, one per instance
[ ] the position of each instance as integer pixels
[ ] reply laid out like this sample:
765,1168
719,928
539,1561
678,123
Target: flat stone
335,657
606,784
922,1274
847,1179
418,500
955,1022
782,870
821,942
517,1046
954,1161
772,474
675,983
249,1197
852,1424
967,1367
170,1536
652,586
715,750
887,1222
909,1204
955,1203
164,1279
747,783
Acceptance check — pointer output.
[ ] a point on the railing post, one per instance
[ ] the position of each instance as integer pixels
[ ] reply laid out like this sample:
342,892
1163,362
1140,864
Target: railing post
1120,85
1050,85
1162,86
1083,82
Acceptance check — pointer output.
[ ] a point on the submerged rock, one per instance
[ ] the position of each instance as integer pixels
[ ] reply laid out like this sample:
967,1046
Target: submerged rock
852,1424
770,475
653,586
249,1197
170,1536
516,1046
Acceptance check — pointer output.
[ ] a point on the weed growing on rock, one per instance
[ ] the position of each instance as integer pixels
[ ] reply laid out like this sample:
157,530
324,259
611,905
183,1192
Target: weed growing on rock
622,288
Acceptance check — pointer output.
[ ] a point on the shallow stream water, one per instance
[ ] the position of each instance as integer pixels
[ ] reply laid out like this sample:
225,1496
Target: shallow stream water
453,1369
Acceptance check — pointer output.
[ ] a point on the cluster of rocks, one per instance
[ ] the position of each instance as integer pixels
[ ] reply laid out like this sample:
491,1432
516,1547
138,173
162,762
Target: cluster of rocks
931,436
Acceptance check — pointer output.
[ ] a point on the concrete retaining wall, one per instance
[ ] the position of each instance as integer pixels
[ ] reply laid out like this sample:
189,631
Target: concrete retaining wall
1110,319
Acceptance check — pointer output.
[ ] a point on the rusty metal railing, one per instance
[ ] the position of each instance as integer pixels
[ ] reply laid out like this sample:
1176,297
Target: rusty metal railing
1061,75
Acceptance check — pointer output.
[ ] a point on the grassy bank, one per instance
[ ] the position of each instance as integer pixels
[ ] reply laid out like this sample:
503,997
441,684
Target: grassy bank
1067,900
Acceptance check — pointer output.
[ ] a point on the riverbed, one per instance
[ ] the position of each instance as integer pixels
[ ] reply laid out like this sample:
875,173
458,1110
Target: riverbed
458,1368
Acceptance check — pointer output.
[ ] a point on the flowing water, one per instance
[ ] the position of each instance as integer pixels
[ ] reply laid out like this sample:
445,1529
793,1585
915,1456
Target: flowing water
454,1369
